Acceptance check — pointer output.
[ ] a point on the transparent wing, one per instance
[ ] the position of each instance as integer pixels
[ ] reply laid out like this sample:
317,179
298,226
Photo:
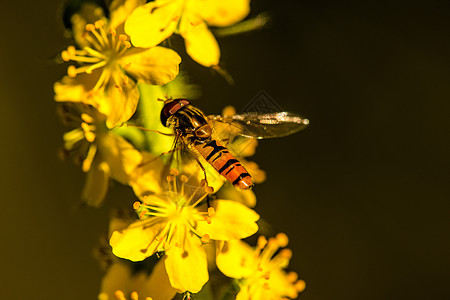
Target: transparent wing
192,165
257,125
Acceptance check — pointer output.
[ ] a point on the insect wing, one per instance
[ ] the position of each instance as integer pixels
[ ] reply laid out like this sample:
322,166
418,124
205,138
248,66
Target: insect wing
259,126
188,162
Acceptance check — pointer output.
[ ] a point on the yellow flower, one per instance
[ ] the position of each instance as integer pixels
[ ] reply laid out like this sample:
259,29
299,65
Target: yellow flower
101,153
260,273
109,68
121,276
150,24
179,222
120,295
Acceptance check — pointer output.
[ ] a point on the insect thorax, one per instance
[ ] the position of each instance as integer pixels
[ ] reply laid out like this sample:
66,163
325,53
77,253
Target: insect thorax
191,124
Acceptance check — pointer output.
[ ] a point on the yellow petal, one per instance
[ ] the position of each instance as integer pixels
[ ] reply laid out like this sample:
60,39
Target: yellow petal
75,89
120,155
121,276
246,197
236,260
118,277
121,9
146,178
96,185
156,65
221,12
137,242
243,147
253,169
119,221
152,23
232,220
244,294
157,285
119,103
187,269
200,42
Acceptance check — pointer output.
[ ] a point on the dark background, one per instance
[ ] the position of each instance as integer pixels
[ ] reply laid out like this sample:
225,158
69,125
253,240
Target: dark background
362,193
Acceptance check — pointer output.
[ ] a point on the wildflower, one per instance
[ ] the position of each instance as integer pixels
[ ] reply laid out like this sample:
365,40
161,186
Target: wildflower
110,68
120,295
179,222
150,24
102,153
121,276
260,273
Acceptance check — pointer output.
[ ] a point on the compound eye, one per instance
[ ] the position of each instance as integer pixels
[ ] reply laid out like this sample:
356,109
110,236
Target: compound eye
203,131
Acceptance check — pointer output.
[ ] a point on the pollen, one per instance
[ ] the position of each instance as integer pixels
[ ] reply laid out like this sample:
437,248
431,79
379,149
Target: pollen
72,71
286,253
262,242
136,204
71,50
134,296
99,24
90,27
292,276
300,285
90,136
119,295
211,211
87,118
65,55
184,178
174,172
205,238
282,239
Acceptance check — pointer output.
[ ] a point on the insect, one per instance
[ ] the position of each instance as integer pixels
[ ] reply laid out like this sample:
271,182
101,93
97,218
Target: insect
195,130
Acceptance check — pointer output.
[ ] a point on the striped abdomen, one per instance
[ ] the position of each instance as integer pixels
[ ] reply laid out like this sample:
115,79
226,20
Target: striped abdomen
225,163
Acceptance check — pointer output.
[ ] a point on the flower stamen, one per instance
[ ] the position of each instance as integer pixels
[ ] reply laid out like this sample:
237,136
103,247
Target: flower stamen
119,295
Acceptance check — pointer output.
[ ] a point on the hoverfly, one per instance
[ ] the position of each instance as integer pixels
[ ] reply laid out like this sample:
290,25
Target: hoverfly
195,130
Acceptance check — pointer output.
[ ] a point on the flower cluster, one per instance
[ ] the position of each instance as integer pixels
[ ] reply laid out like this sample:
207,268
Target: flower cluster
189,218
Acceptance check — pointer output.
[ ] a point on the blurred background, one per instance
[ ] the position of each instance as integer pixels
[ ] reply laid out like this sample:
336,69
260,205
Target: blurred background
363,193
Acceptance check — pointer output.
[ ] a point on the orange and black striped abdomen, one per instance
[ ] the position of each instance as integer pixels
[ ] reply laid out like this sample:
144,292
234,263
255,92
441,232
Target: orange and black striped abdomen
225,163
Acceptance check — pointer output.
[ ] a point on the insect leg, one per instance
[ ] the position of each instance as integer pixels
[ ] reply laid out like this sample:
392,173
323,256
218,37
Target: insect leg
151,130
202,167
159,156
